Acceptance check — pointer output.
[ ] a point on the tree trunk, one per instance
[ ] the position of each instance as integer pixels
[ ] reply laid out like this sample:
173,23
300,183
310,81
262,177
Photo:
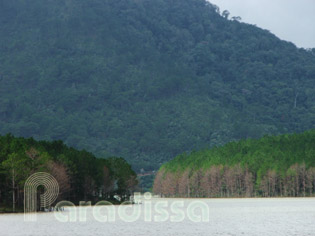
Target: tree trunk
13,191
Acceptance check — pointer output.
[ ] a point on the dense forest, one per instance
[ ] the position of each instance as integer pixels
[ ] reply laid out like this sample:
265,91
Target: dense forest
271,166
80,175
147,79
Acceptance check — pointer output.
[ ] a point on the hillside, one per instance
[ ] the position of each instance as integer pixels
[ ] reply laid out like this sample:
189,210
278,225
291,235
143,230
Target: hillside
146,79
271,166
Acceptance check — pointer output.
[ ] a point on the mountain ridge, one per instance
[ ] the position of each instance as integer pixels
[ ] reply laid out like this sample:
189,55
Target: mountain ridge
147,80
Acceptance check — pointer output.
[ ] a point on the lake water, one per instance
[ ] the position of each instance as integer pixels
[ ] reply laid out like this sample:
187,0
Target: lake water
287,216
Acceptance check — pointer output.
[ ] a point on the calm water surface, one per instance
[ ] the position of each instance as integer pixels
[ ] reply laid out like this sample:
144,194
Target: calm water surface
281,217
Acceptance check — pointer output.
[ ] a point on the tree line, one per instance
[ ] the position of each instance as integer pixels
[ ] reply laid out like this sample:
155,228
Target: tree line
80,175
269,167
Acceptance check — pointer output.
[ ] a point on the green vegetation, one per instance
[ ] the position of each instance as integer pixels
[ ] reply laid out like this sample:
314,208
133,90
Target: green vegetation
80,175
146,183
271,166
147,79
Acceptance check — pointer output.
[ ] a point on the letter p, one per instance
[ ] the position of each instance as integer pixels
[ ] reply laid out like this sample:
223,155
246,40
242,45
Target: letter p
30,193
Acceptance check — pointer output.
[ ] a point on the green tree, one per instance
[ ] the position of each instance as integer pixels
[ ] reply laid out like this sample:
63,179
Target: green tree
16,172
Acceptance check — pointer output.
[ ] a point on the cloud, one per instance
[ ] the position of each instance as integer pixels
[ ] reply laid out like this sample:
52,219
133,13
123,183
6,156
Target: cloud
290,20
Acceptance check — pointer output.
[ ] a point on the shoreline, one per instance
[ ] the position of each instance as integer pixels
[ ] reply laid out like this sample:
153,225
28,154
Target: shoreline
185,199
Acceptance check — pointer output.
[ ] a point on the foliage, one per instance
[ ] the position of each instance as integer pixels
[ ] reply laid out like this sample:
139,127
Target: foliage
146,183
146,79
270,166
80,175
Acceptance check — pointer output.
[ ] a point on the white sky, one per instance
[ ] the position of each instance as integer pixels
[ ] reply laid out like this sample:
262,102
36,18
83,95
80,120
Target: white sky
290,20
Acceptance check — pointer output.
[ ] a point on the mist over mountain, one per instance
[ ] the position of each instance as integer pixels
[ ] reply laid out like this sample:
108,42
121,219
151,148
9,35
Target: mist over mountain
147,79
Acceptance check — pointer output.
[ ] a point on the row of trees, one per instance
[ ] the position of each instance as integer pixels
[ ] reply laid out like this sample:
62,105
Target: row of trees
224,181
269,167
80,175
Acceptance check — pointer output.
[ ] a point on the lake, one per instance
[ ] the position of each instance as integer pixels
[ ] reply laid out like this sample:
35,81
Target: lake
279,216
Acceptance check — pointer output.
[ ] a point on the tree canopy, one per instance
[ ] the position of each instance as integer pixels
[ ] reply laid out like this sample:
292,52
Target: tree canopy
80,175
270,166
147,79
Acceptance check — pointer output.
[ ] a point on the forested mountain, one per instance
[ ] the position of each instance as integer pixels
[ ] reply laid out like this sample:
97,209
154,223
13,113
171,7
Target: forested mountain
80,175
271,166
147,79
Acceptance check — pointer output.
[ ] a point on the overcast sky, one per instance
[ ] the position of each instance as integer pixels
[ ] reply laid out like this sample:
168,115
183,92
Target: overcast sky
290,20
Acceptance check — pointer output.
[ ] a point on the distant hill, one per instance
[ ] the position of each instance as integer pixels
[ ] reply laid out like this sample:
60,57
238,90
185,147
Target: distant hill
147,79
271,166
